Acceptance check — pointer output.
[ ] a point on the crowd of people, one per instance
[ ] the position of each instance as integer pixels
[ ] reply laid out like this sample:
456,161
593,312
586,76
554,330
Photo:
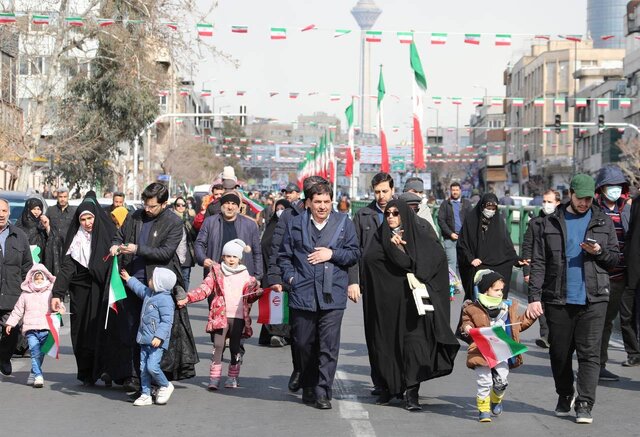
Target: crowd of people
394,254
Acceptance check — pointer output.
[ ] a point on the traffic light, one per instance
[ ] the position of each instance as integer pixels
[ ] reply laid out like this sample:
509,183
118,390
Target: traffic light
601,122
558,123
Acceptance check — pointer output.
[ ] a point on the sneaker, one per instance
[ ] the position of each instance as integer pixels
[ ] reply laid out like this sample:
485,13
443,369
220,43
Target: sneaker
164,393
632,362
496,409
542,342
277,341
214,384
38,381
583,413
5,368
31,378
605,375
484,416
231,382
564,405
143,401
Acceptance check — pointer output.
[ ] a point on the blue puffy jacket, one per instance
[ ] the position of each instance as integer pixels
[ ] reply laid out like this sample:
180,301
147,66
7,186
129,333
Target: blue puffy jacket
321,286
156,318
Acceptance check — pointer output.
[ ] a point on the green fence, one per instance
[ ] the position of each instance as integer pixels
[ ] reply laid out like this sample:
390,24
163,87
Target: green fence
517,218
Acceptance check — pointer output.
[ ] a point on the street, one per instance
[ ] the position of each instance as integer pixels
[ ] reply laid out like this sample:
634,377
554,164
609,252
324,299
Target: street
263,406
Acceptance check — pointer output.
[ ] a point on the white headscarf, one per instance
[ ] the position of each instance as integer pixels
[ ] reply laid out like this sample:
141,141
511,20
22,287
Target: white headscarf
80,248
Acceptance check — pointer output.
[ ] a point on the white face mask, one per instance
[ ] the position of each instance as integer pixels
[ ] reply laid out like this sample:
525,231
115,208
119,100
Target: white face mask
613,193
279,212
488,213
548,208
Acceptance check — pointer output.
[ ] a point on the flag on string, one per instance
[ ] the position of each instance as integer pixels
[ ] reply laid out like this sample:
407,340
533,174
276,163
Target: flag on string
105,22
184,92
163,93
307,28
41,19
373,36
405,37
273,93
74,21
517,102
439,38
581,103
477,101
205,29
419,91
574,38
205,93
334,97
7,17
340,32
558,102
539,102
526,130
179,121
273,307
602,103
348,170
51,345
545,37
607,37
239,29
278,33
497,101
456,100
240,93
472,38
625,103
171,25
384,164
503,40
116,289
293,95
436,100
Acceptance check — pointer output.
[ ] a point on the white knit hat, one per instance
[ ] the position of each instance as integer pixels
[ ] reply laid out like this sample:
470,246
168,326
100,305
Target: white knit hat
235,248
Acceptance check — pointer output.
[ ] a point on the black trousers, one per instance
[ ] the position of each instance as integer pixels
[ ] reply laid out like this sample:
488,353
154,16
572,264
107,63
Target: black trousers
613,308
630,321
576,328
8,343
316,336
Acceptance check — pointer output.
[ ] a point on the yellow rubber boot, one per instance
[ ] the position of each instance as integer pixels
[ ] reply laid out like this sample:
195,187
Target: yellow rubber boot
484,407
496,402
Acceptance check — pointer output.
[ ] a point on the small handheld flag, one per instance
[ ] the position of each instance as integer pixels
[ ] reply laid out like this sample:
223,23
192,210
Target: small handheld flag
495,344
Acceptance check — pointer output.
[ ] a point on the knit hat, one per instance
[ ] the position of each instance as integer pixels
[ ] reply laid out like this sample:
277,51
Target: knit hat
414,183
230,197
484,279
235,248
163,279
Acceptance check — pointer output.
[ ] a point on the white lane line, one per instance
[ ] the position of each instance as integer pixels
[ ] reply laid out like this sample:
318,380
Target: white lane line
351,408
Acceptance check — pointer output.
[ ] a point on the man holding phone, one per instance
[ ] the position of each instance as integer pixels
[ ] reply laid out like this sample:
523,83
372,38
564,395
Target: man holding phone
575,247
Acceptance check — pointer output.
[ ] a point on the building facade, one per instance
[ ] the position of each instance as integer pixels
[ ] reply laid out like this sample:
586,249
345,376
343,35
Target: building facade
605,23
10,112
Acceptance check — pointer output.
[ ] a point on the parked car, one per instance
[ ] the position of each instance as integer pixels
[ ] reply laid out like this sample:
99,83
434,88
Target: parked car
106,202
17,200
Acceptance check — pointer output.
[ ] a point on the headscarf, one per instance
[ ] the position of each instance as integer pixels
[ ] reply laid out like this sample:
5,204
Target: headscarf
27,220
29,285
80,248
120,214
101,235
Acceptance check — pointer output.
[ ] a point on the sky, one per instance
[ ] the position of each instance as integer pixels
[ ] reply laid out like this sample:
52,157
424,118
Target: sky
315,61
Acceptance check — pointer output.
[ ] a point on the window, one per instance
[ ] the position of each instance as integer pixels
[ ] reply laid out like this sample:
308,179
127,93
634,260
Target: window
563,75
24,66
551,76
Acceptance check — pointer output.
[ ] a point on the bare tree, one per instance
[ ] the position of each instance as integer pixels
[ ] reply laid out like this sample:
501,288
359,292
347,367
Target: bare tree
630,159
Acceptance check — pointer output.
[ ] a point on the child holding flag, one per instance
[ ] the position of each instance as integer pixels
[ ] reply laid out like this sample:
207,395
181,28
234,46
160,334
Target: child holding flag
495,349
234,290
154,332
32,309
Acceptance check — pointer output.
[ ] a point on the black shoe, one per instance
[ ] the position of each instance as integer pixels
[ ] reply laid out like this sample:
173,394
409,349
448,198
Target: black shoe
308,395
632,362
564,405
323,403
5,368
377,391
583,413
605,375
131,384
108,382
542,342
277,341
384,398
294,382
413,403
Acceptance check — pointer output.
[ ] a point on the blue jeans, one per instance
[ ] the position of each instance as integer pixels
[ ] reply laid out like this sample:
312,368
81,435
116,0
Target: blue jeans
186,274
452,256
150,358
36,339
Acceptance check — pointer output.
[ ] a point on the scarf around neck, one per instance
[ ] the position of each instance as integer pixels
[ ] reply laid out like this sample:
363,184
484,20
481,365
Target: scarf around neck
228,271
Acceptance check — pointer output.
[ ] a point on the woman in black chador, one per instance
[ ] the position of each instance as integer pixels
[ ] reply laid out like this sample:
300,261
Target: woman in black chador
407,348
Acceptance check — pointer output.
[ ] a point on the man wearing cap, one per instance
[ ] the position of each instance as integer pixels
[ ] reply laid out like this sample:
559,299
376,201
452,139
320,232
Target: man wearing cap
415,186
576,245
292,193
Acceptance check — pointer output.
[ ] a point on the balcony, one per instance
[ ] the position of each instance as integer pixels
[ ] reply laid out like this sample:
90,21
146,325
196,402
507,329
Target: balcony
10,124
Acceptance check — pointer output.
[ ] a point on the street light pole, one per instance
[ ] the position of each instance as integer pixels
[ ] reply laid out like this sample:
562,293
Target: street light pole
437,123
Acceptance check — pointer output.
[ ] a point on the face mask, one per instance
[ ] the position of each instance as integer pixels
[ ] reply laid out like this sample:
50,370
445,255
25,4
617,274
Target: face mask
548,208
613,193
279,212
488,213
488,301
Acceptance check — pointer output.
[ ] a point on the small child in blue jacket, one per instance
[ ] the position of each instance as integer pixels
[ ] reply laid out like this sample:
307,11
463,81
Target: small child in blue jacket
156,320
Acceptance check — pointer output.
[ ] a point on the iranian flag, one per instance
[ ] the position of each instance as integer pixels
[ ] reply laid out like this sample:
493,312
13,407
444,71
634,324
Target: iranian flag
607,37
348,169
41,19
472,38
517,102
574,38
340,32
205,29
273,307
74,21
477,101
602,103
405,37
51,345
581,103
545,37
539,102
184,92
497,101
104,22
239,29
253,205
456,100
384,163
439,38
419,91
334,97
278,33
7,17
307,28
558,102
625,103
293,95
437,100
171,25
495,344
373,36
503,40
116,289
205,93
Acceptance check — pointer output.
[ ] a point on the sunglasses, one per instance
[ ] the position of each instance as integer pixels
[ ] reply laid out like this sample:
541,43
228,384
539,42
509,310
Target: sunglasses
181,205
391,213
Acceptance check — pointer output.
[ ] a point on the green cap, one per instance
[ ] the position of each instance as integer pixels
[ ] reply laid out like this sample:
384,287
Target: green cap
583,185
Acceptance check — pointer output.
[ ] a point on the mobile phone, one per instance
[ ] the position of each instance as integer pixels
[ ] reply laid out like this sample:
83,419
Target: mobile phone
590,241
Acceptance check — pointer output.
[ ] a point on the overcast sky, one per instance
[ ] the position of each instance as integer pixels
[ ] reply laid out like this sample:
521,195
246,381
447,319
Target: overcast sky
317,62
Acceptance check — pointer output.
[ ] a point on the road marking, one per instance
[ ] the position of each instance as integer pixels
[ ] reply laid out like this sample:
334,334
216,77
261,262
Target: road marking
351,408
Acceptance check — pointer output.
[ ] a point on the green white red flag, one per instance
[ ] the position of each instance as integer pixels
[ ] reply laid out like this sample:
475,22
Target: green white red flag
273,307
278,33
348,170
239,29
7,17
539,102
116,289
405,37
340,32
205,29
104,22
41,19
439,38
503,40
495,344
51,345
472,38
419,94
74,21
384,152
373,36
517,102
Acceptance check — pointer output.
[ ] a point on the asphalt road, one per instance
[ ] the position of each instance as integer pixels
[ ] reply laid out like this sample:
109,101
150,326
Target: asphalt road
262,406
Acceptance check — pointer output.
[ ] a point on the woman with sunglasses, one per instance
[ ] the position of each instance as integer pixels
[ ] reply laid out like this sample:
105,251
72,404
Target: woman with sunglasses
407,348
186,251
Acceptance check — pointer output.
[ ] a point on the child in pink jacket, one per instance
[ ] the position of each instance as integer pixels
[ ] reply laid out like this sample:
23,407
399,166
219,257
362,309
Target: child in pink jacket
32,308
234,289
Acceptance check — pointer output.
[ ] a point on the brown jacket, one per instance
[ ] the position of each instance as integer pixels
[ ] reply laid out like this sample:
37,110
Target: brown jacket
476,316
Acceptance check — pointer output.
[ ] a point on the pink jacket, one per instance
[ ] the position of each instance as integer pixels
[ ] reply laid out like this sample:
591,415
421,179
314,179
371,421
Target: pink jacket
214,283
34,302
